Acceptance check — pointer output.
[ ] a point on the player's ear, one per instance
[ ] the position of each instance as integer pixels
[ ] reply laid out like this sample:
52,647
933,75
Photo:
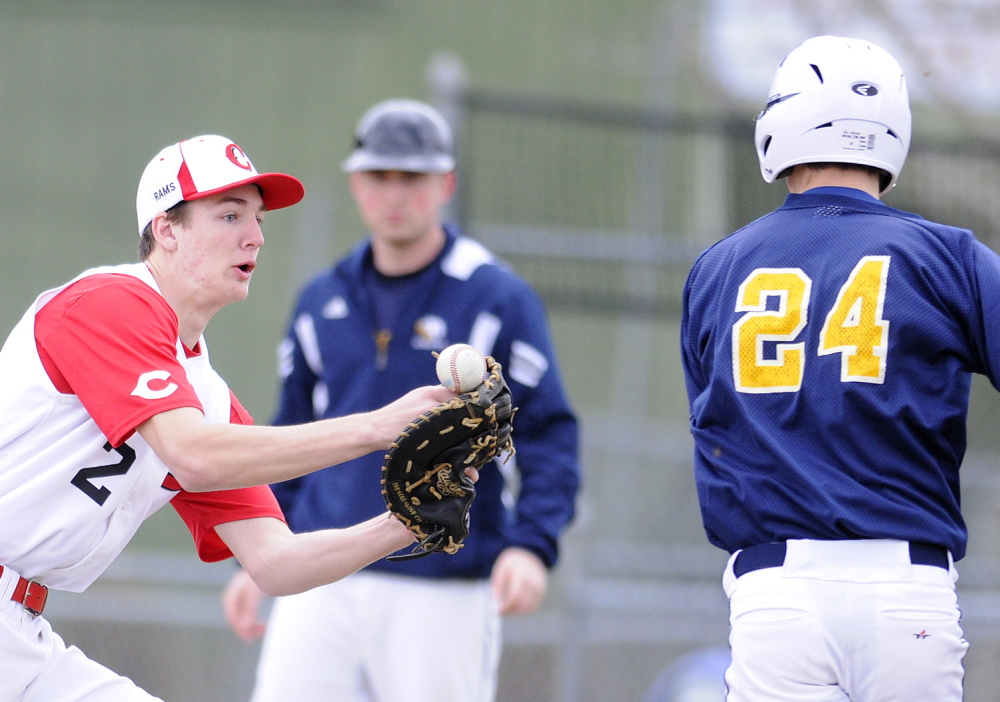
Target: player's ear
163,231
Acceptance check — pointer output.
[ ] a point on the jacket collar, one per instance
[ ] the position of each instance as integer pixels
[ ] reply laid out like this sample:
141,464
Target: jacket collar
361,258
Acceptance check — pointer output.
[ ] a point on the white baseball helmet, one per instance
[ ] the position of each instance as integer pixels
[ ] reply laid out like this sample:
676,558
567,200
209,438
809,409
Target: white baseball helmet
835,100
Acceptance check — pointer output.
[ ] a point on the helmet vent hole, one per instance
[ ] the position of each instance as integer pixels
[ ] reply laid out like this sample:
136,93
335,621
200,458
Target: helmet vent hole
819,73
767,143
824,126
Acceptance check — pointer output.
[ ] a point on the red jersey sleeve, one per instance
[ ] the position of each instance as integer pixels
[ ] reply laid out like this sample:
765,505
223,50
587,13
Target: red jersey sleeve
111,340
203,511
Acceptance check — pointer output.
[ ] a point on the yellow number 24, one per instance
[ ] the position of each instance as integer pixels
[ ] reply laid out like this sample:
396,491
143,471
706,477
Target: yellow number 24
854,327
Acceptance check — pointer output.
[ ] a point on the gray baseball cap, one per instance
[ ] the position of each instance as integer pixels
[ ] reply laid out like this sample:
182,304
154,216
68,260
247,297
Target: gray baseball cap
402,135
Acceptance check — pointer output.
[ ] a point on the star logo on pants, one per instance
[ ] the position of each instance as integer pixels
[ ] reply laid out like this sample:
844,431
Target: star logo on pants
922,635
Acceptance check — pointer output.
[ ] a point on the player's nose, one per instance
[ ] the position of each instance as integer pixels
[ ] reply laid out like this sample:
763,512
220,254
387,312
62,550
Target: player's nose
254,238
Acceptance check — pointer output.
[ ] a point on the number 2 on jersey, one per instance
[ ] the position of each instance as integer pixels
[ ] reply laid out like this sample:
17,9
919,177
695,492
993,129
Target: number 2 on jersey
83,477
767,359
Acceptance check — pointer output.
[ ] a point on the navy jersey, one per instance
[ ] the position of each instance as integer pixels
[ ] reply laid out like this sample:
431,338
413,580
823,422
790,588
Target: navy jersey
827,350
339,359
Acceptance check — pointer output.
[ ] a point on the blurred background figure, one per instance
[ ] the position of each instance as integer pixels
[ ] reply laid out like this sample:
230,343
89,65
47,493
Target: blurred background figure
365,329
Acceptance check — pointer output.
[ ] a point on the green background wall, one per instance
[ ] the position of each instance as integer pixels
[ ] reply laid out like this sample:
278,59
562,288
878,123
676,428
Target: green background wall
90,90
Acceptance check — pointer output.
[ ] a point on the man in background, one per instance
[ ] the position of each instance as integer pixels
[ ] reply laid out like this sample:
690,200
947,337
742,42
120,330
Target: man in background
362,331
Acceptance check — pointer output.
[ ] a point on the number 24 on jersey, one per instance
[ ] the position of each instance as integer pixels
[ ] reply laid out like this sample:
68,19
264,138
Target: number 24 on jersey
766,357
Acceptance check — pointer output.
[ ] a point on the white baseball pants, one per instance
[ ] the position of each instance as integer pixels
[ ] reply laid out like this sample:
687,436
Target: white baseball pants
845,620
382,638
36,666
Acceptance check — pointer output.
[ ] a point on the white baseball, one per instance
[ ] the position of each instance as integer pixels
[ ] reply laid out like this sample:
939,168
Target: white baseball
461,368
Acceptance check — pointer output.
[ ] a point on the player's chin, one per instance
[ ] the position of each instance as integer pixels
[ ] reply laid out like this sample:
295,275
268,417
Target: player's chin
238,291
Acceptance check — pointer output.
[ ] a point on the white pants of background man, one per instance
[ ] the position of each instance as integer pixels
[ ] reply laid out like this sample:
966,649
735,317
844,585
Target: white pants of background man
381,638
36,666
845,620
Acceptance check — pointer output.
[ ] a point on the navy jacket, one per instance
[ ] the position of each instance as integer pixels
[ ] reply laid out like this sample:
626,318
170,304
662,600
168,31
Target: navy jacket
331,365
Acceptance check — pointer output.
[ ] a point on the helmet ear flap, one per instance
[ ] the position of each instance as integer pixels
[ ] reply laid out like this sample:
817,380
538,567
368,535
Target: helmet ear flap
885,181
835,100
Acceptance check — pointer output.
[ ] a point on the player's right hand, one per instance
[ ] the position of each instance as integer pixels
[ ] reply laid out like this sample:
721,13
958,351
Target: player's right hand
241,602
519,581
394,417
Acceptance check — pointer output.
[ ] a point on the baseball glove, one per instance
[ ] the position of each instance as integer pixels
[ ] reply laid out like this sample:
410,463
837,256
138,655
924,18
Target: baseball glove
423,475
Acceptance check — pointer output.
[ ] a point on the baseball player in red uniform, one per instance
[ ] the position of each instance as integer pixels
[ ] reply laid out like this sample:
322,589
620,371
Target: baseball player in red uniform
828,349
110,409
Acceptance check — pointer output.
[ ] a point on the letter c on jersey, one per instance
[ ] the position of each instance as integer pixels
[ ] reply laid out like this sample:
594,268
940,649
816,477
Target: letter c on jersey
143,390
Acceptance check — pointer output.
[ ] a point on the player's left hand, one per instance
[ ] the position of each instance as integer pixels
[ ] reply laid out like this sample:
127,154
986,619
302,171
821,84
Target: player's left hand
519,581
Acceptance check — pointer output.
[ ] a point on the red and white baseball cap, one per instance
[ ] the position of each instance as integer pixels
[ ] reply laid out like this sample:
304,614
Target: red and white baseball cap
203,166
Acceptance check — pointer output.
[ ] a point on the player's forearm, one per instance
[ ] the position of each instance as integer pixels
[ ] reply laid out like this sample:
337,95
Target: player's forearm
282,563
223,456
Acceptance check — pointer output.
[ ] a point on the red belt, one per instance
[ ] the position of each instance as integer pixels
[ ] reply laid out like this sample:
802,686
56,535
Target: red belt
29,594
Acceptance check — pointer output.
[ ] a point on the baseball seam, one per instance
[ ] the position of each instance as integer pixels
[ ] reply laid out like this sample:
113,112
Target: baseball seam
453,366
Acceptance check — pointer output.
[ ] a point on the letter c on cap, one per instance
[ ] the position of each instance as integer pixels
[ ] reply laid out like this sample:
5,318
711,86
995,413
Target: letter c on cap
236,155
143,390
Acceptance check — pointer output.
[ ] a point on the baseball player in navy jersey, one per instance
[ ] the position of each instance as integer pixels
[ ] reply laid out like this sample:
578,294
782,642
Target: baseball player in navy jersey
365,330
828,348
110,409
